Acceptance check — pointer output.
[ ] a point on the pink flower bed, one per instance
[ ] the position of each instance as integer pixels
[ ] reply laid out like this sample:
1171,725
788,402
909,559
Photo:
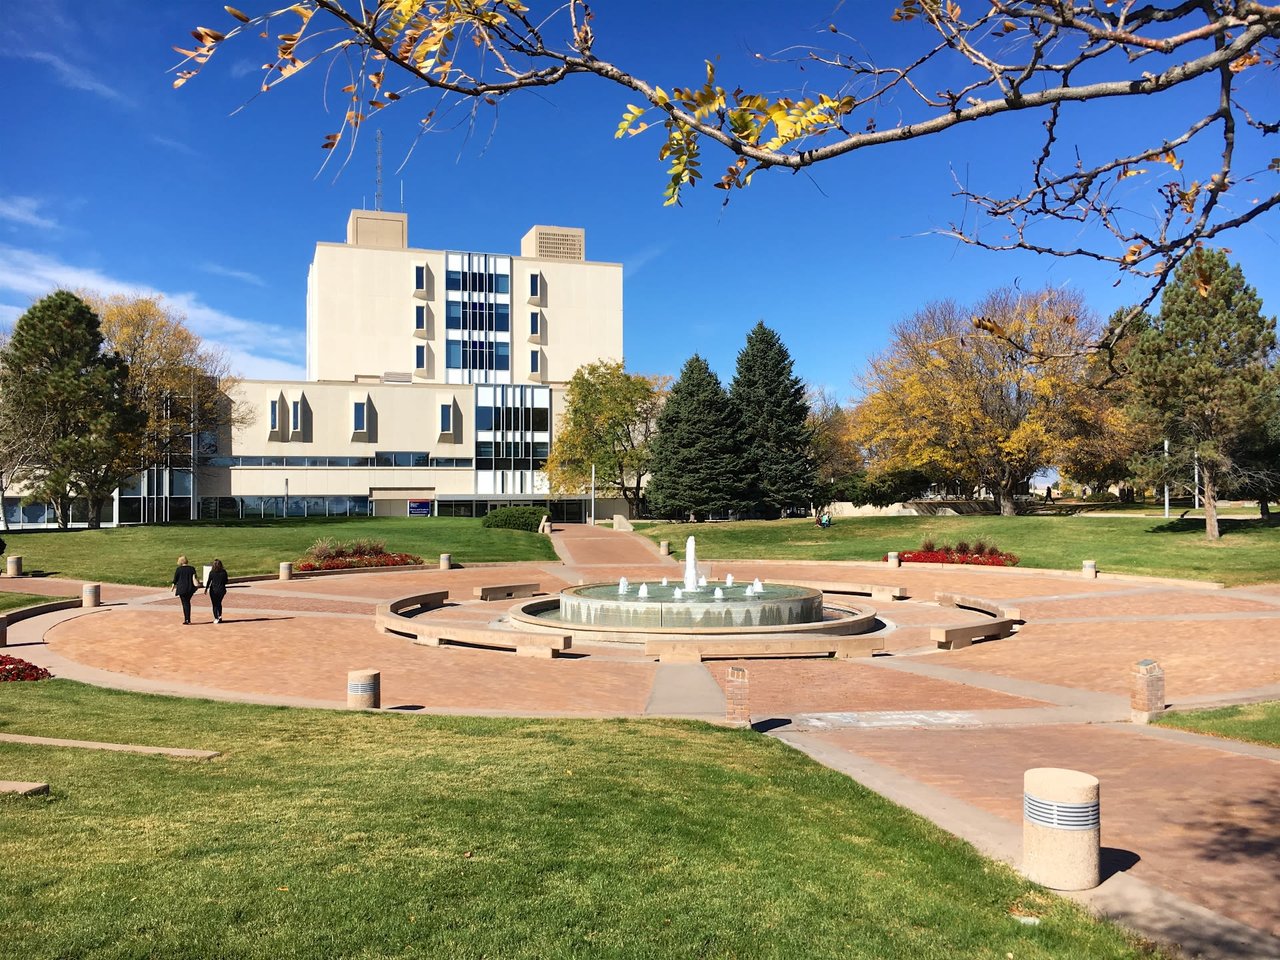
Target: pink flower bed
351,563
11,668
952,556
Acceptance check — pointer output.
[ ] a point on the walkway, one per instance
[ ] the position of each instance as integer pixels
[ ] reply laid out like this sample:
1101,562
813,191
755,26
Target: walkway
1192,824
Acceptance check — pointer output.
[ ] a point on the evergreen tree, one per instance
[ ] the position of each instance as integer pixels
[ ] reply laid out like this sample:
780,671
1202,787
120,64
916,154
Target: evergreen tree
772,407
54,364
1202,369
698,450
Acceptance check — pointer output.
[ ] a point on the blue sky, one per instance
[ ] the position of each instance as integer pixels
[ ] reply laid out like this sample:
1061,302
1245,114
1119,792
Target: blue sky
112,180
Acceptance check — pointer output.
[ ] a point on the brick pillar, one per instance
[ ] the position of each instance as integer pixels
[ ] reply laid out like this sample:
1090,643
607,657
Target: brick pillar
737,705
893,559
1147,692
364,690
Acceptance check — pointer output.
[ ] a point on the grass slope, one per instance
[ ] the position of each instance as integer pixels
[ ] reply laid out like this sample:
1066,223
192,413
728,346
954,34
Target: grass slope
146,555
1254,722
330,834
1249,551
15,601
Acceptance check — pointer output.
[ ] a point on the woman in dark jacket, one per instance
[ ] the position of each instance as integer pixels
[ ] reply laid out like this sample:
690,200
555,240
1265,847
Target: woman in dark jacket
185,585
216,588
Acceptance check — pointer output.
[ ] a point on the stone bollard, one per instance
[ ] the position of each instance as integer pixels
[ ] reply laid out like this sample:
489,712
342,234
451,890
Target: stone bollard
91,595
1061,829
1147,694
13,567
4,630
893,560
664,547
286,570
1089,569
446,561
364,690
737,708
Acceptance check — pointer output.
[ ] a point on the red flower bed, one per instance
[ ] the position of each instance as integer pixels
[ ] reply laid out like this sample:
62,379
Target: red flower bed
952,556
11,668
349,563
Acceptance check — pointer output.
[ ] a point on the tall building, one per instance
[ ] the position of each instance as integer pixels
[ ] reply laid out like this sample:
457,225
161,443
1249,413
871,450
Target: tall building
434,378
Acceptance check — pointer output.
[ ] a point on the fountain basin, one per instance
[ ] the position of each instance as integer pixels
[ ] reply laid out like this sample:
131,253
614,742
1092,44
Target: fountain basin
600,605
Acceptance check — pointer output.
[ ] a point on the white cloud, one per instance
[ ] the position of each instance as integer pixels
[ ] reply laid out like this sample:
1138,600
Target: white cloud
175,145
25,210
243,275
69,76
245,68
637,262
272,348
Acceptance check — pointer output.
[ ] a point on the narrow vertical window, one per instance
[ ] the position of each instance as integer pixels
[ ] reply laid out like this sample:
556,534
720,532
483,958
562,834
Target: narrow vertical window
420,357
533,285
296,422
275,414
420,318
446,418
358,419
420,278
533,323
533,361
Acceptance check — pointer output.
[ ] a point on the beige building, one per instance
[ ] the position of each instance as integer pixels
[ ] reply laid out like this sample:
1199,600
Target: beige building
434,378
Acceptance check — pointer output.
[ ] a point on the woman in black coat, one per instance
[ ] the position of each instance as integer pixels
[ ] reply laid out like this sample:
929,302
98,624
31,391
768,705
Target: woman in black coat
185,585
216,588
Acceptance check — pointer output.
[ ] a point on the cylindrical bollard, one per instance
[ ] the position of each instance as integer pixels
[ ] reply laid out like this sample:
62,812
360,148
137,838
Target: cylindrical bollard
364,690
1089,569
893,559
91,595
286,570
446,561
664,547
13,567
1146,698
1061,828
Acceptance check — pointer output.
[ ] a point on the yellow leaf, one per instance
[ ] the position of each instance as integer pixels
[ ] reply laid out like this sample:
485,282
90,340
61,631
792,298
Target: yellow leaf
237,14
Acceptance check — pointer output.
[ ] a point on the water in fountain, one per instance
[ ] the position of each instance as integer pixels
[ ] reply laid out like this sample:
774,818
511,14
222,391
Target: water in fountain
728,579
702,581
677,593
756,585
664,581
719,594
622,586
644,591
690,566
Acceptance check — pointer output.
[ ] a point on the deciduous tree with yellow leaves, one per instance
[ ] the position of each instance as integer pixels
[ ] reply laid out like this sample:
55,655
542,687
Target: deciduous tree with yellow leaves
990,407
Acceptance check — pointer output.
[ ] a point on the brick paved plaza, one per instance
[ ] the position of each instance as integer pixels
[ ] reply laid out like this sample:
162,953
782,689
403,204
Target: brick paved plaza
1193,821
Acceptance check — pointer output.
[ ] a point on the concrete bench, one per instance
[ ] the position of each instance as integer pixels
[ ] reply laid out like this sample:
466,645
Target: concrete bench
992,608
954,638
543,645
697,649
389,616
873,590
506,591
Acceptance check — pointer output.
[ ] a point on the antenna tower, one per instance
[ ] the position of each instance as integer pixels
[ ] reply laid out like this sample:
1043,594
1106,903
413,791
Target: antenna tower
377,196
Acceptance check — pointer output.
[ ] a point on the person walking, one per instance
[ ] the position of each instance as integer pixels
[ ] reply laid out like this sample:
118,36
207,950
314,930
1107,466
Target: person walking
185,585
216,588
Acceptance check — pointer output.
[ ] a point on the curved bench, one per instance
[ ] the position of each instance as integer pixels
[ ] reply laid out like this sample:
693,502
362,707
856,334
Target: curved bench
875,591
955,638
398,617
692,649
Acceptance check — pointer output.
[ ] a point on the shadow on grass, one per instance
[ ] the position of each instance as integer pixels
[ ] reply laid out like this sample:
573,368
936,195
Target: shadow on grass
1226,526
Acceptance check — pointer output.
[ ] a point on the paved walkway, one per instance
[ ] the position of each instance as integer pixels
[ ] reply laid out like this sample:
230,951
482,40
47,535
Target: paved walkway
1191,825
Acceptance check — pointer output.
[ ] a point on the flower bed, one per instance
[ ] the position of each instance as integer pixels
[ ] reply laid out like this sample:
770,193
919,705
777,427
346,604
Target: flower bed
351,563
979,555
11,668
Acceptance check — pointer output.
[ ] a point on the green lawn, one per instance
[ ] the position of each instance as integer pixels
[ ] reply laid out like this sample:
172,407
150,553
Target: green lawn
14,601
146,555
1255,722
331,834
1249,551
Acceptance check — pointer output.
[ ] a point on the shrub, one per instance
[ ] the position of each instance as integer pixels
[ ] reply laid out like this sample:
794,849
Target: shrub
979,548
11,668
980,554
926,545
1102,496
327,554
367,548
515,518
2,544
992,550
322,549
962,546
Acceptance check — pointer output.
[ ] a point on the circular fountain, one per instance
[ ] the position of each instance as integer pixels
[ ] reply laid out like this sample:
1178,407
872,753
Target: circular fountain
627,612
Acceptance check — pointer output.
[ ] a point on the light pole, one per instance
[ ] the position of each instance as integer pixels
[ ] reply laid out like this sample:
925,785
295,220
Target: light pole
1166,482
593,494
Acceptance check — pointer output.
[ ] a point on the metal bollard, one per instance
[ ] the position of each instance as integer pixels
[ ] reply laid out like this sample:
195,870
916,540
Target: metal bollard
1089,569
91,595
286,570
446,561
364,690
893,559
13,566
1061,829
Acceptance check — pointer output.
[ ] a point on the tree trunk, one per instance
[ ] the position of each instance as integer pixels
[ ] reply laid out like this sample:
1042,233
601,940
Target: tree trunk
4,512
1210,503
95,512
1264,511
1004,498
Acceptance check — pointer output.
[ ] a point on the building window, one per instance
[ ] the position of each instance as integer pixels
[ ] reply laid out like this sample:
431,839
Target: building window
453,354
275,414
453,315
453,279
533,285
533,323
296,422
420,278
502,356
420,318
446,418
502,317
358,416
420,357
533,361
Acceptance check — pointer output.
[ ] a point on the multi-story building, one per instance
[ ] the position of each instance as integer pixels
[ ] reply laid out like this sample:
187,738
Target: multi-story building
434,379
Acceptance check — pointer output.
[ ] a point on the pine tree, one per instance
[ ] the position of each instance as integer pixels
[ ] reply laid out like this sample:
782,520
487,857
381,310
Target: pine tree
774,412
1201,369
54,366
698,457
